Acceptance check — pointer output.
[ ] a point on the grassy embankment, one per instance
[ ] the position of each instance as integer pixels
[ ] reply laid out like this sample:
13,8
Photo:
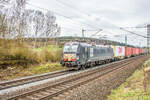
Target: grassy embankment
136,87
19,59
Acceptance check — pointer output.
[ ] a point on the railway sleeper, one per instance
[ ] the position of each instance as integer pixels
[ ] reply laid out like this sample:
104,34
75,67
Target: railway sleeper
30,98
37,95
60,87
54,89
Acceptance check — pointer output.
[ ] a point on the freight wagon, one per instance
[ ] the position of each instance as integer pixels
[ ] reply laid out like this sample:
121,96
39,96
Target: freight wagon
145,51
135,51
141,51
119,52
128,52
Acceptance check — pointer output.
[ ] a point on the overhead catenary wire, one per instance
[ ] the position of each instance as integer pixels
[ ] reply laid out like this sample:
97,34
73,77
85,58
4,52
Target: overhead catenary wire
75,9
89,25
69,18
123,29
111,24
65,4
136,27
71,29
133,33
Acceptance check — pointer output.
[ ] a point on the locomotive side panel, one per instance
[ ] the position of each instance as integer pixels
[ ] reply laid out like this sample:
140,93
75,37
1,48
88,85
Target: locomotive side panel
100,53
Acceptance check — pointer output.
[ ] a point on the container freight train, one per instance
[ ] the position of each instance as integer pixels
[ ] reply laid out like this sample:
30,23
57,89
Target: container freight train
81,55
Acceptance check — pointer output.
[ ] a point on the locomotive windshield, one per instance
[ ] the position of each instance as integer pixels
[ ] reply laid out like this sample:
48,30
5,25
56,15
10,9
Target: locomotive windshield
70,48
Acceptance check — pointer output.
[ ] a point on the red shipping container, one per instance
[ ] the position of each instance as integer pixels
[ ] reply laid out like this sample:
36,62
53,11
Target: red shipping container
133,51
141,51
128,51
137,51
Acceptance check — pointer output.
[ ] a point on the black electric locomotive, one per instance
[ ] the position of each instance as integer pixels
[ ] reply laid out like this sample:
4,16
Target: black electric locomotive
80,55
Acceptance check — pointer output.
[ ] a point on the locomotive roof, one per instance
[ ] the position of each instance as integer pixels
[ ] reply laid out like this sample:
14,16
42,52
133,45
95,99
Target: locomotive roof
86,44
77,43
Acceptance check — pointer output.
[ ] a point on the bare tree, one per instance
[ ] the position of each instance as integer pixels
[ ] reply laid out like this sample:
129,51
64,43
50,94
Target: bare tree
3,3
38,24
19,8
51,28
50,20
18,22
13,14
3,25
3,18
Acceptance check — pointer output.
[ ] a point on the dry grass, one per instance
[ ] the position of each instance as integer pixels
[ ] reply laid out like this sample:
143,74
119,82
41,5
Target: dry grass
14,53
18,59
134,87
146,81
52,56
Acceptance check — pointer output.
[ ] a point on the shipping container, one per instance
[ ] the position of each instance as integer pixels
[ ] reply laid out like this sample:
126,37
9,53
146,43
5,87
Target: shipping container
141,51
119,51
128,51
133,51
145,51
137,51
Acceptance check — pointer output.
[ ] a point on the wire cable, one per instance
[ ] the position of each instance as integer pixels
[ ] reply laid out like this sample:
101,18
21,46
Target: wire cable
89,25
76,9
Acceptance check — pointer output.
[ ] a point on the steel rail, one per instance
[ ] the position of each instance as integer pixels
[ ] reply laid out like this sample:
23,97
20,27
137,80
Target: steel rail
30,79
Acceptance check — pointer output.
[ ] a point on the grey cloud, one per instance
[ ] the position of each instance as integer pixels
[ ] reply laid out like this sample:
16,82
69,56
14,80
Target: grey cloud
106,14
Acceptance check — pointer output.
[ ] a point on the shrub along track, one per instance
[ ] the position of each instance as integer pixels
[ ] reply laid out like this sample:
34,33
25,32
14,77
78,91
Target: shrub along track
52,90
30,79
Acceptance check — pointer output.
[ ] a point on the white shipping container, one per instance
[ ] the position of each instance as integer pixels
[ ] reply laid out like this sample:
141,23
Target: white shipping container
119,51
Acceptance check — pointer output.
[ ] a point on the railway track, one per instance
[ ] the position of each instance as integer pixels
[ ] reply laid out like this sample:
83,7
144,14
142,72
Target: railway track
52,90
30,79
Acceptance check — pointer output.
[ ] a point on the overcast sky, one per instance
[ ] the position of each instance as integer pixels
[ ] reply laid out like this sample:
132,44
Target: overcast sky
108,15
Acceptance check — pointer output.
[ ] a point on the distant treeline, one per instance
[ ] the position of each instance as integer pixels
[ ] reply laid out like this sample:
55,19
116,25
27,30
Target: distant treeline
64,39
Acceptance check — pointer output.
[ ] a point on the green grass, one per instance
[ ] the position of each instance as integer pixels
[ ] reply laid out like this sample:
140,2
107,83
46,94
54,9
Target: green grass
19,71
132,89
47,68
